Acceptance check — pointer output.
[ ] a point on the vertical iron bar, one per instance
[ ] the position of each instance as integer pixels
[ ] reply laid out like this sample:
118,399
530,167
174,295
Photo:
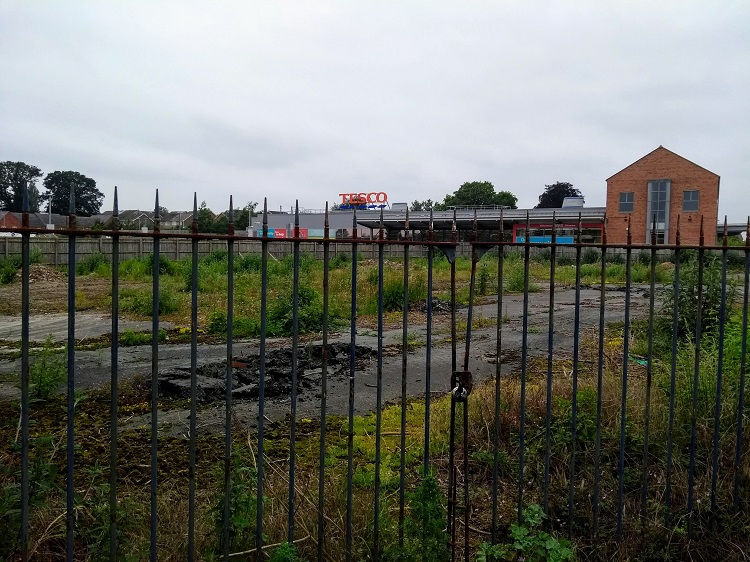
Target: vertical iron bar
295,342
599,382
574,405
550,350
498,369
467,510
454,347
623,403
672,379
452,436
404,353
719,377
25,259
352,367
262,380
155,271
696,374
379,384
323,389
649,372
114,379
71,353
743,365
228,386
428,350
524,365
470,312
193,382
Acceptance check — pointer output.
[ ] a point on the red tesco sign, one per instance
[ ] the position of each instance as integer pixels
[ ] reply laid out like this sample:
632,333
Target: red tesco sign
363,198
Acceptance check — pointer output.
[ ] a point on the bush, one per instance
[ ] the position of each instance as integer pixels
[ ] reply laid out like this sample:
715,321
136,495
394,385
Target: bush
309,309
7,272
47,371
250,262
515,283
529,542
142,301
340,261
217,256
687,300
166,266
425,537
95,263
393,293
565,259
591,255
541,255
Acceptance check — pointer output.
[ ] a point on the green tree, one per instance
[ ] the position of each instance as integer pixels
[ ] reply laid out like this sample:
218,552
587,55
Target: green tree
553,195
205,218
242,216
58,185
478,193
13,177
426,205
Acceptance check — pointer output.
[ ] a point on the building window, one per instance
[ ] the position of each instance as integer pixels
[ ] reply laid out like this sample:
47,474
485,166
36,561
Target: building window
626,202
689,201
658,210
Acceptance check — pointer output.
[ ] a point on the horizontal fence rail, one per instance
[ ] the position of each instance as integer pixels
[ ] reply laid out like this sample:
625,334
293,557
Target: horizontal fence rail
446,396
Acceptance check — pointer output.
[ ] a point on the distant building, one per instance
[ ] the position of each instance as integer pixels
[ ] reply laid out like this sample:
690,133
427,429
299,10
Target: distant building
662,185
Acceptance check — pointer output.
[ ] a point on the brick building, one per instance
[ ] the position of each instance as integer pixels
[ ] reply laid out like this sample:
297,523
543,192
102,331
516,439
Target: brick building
665,185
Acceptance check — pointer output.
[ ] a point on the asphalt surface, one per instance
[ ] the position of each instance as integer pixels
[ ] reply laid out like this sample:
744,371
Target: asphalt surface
93,367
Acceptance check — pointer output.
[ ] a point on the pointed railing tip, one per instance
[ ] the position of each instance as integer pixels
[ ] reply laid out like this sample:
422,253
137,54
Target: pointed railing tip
25,204
115,205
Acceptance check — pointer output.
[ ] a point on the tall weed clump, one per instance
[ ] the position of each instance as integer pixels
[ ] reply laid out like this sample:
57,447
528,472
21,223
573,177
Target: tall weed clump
97,263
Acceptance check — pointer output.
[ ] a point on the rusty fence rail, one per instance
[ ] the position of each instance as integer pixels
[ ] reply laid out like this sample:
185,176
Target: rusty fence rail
584,511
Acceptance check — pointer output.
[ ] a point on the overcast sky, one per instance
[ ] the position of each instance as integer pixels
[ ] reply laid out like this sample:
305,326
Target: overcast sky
310,99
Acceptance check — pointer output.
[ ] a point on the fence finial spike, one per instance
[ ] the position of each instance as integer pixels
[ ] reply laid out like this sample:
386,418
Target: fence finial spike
25,204
702,237
406,223
231,209
296,213
747,233
677,232
431,221
725,240
264,228
502,230
475,225
454,224
325,217
115,206
653,231
381,233
580,228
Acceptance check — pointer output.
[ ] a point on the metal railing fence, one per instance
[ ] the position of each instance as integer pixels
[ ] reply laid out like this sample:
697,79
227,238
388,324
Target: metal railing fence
588,467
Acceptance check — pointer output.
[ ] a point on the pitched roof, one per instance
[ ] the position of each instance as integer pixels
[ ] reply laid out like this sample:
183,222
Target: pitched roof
660,148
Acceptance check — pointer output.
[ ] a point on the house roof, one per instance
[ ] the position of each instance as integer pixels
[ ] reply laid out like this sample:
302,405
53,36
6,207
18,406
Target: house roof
660,148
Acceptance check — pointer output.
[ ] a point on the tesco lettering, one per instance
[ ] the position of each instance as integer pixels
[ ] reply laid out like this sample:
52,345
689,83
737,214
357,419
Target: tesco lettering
363,198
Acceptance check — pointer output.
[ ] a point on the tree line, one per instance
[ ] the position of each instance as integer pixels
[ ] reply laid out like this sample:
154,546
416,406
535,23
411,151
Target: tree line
14,176
482,194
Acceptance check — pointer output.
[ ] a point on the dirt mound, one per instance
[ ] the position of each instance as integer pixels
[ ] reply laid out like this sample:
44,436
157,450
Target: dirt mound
43,273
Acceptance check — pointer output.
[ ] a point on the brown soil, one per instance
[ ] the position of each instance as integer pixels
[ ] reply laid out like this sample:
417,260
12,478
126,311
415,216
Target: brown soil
48,292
